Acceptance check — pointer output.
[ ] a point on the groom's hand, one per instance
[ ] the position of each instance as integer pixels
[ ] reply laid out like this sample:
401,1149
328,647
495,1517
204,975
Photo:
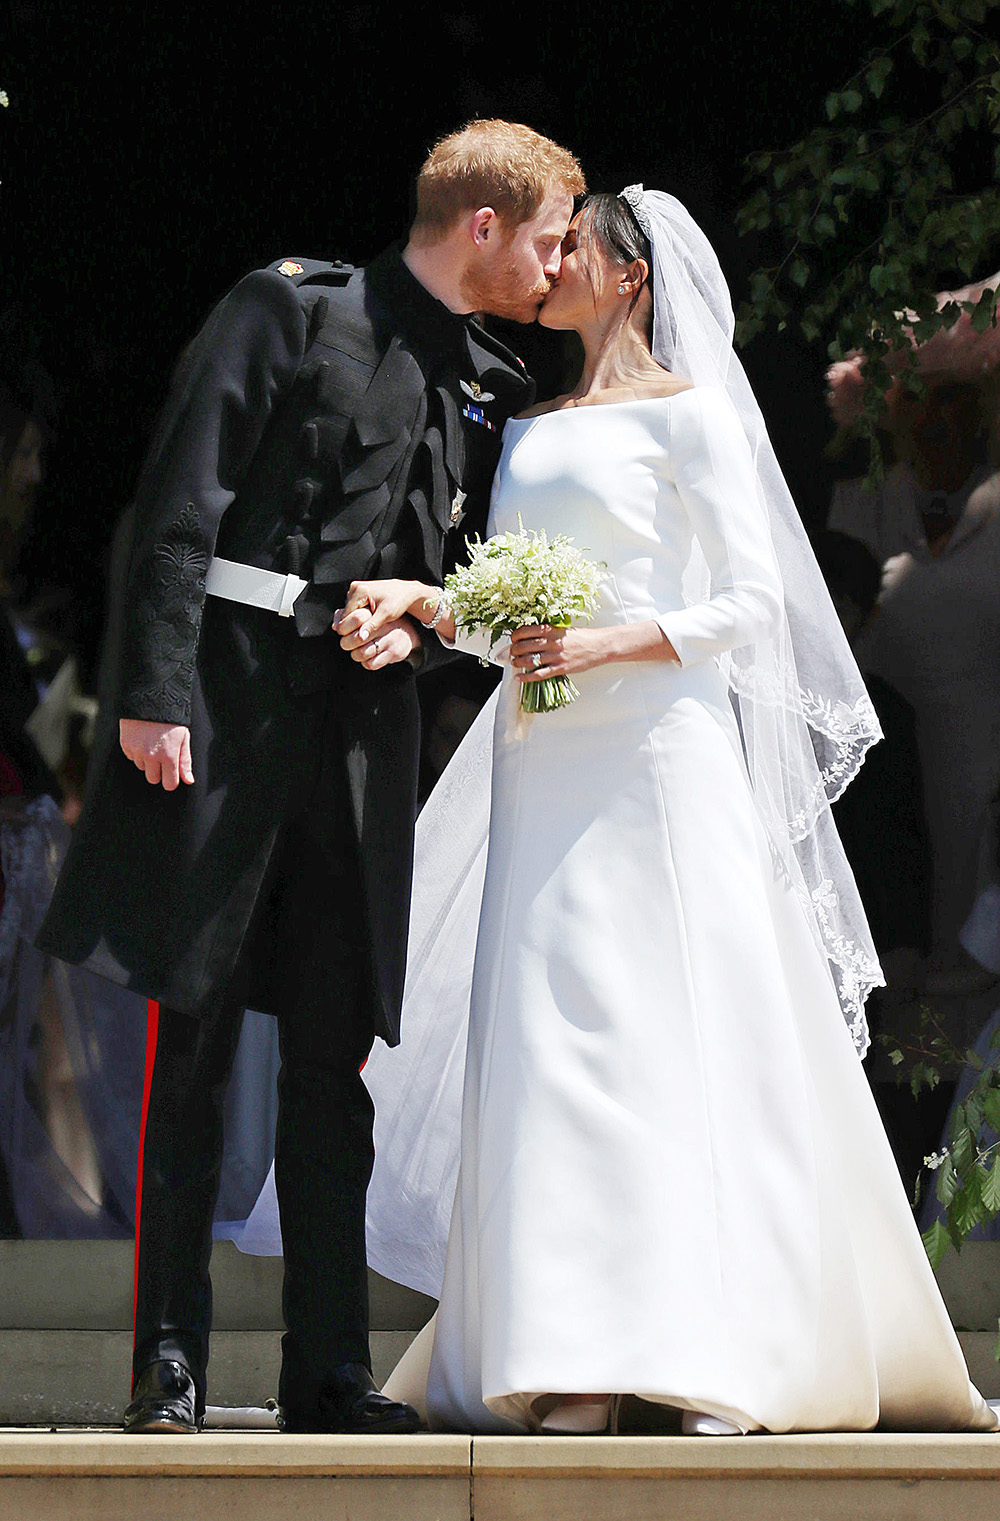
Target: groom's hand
161,751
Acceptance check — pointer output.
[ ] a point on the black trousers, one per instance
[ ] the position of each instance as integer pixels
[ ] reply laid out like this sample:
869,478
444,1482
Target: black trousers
309,935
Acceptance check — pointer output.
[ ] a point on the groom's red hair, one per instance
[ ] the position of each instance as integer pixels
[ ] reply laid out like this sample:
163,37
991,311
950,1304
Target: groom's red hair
490,163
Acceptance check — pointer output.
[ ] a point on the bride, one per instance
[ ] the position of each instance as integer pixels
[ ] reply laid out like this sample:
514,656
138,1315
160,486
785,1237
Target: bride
671,1178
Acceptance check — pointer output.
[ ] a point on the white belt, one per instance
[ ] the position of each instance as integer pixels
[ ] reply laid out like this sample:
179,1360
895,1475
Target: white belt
255,588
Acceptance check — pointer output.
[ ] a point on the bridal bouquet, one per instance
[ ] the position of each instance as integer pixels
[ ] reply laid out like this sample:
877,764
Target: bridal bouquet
525,578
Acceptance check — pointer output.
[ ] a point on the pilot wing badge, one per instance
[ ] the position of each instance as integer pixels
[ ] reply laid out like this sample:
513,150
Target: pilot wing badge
475,390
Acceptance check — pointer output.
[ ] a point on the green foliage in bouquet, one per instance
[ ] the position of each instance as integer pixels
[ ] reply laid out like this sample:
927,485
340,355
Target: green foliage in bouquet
522,578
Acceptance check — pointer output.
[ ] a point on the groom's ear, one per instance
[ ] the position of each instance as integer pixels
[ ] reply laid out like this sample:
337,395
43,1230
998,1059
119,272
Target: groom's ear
484,226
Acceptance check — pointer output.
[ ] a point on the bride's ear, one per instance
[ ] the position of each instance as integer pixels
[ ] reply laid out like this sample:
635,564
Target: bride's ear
635,277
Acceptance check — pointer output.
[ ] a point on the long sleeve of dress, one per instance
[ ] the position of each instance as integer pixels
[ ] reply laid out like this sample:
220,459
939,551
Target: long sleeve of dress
225,390
710,464
480,642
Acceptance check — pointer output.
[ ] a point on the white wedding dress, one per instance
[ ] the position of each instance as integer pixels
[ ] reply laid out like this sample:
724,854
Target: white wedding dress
673,1179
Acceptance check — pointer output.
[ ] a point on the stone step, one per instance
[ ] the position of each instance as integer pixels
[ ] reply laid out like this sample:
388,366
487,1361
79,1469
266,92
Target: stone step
104,1476
66,1313
88,1286
80,1378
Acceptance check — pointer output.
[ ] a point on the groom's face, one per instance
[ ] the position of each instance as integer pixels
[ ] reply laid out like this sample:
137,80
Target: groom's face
512,276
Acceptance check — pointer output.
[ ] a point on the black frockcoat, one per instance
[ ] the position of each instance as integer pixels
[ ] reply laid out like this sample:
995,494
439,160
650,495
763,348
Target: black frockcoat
315,425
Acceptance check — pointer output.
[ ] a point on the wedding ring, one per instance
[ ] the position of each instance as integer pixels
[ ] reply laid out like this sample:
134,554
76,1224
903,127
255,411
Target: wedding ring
536,660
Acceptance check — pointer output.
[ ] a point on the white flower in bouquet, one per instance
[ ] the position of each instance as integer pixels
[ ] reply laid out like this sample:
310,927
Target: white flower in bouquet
525,578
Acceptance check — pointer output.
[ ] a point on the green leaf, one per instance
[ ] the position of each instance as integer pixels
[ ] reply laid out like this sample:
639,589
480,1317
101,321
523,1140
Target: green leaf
962,1149
799,272
945,1182
936,1242
991,1189
966,1211
991,1109
877,75
760,285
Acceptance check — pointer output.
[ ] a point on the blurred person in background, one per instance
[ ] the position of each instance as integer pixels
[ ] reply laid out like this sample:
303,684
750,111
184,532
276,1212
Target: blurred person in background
934,526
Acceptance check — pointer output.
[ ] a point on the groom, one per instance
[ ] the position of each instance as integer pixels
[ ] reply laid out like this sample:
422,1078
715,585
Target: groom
327,425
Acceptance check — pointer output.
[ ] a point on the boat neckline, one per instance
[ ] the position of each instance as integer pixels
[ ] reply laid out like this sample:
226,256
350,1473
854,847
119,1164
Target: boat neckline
598,406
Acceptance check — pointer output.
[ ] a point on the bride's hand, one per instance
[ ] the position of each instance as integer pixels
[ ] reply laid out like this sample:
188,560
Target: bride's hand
373,605
394,643
539,651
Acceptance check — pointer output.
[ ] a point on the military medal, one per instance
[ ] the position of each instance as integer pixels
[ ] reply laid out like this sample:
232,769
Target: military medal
477,415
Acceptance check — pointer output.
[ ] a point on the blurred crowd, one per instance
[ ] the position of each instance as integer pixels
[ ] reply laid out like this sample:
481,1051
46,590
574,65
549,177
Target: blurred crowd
913,567
72,1046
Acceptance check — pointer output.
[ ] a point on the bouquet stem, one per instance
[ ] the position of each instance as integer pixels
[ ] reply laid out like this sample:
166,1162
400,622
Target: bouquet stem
545,696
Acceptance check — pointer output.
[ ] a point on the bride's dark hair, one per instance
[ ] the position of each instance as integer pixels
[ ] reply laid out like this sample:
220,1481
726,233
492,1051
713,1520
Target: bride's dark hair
611,222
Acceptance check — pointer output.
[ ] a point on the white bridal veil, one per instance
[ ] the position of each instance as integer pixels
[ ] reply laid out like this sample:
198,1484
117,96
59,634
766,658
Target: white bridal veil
804,713
806,722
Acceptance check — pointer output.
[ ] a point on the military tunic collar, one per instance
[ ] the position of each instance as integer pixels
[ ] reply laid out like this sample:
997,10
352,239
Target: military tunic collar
433,327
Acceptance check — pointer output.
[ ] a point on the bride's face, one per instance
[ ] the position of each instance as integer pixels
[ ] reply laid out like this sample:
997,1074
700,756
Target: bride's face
587,286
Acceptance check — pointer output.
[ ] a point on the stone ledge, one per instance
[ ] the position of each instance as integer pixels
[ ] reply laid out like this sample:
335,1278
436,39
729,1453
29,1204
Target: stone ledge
105,1476
110,1454
841,1455
803,1456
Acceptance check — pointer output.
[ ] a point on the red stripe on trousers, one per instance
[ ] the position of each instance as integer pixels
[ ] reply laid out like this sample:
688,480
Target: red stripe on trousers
152,1030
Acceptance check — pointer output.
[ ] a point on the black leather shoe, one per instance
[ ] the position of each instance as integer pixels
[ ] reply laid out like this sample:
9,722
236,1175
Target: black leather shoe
164,1399
351,1404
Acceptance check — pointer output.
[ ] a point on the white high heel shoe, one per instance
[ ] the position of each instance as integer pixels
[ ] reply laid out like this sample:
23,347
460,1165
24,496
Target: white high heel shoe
699,1423
587,1418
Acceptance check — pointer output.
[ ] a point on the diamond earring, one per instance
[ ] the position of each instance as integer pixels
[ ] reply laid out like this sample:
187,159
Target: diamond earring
621,290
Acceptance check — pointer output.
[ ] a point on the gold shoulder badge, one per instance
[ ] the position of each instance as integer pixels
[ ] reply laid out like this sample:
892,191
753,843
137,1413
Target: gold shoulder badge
290,268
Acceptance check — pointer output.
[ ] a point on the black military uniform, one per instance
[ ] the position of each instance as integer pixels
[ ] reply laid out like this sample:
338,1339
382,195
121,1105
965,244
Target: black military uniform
337,424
